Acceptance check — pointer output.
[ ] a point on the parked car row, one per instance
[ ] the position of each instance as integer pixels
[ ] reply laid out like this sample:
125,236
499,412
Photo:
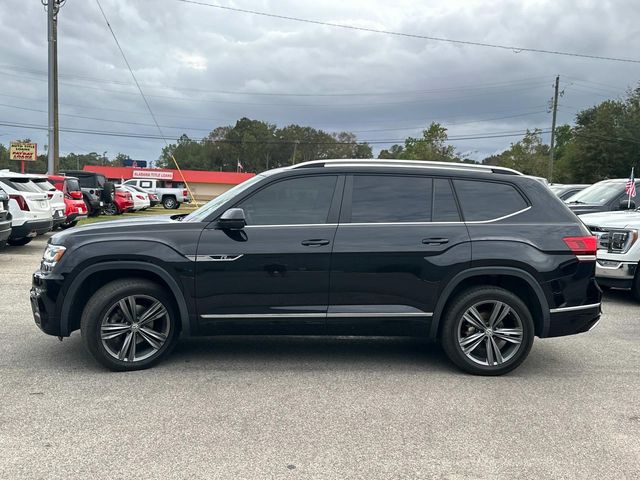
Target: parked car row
608,211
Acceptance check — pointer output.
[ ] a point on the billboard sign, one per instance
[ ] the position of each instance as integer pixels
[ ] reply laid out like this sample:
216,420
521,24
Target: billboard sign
155,174
23,151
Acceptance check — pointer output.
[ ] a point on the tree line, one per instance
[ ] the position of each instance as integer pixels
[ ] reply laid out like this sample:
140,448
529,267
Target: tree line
603,143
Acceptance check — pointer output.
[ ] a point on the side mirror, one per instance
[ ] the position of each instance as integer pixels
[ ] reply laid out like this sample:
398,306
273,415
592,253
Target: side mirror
626,205
232,219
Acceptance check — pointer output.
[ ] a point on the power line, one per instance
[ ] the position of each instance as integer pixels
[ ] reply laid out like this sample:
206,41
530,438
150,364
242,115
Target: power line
512,133
124,57
410,35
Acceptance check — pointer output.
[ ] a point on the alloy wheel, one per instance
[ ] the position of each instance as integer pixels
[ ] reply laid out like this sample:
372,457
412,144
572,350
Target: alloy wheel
135,328
490,333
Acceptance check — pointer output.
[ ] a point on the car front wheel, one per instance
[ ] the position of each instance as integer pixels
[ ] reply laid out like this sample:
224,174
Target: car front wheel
129,324
487,331
169,203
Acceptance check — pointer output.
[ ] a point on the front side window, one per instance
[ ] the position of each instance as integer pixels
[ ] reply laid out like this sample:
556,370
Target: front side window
391,199
295,201
482,201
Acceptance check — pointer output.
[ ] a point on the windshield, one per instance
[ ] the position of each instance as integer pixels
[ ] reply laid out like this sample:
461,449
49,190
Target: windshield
203,212
598,194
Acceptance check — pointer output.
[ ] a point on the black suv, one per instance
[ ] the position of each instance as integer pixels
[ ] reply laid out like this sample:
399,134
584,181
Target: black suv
482,258
97,192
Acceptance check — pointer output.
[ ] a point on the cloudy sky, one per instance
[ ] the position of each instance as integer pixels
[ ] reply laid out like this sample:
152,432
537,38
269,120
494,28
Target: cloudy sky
203,67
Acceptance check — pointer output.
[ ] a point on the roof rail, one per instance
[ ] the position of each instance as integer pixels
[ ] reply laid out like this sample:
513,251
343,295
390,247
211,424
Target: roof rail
353,162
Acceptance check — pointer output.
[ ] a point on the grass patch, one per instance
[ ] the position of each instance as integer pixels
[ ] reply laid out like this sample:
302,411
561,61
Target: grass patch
157,210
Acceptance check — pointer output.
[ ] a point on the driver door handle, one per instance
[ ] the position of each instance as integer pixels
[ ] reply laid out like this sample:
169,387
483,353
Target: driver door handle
315,242
435,241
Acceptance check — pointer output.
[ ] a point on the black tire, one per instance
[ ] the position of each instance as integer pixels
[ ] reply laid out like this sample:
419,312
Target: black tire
177,206
169,203
454,323
3,244
91,212
110,209
64,226
18,242
103,305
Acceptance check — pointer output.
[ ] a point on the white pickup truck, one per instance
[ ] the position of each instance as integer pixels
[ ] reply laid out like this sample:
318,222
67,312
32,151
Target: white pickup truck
170,197
618,248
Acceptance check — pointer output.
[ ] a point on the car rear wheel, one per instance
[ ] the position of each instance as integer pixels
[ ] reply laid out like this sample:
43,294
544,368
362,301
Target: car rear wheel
487,331
129,324
169,203
18,242
110,209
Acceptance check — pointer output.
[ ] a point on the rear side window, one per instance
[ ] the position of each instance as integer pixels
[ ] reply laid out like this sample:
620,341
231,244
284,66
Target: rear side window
487,200
387,199
21,184
145,184
294,201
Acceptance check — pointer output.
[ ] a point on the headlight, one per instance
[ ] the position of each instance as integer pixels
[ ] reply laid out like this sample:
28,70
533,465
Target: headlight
51,256
619,241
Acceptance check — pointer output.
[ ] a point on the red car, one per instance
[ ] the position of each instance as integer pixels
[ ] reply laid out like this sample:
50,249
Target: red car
76,209
122,202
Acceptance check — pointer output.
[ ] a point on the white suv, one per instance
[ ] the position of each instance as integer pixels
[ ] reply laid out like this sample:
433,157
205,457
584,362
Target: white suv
29,206
618,248
56,199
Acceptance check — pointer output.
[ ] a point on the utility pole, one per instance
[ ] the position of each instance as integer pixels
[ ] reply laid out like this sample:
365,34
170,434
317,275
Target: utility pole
295,149
53,150
553,128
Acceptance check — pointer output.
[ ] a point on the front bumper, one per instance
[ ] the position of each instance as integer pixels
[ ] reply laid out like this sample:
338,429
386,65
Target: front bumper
614,273
44,293
31,229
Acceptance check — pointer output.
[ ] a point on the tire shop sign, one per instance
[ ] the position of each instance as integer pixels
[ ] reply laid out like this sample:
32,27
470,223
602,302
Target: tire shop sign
23,151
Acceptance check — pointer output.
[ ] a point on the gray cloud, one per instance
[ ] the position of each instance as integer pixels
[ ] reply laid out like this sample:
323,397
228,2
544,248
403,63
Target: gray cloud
186,56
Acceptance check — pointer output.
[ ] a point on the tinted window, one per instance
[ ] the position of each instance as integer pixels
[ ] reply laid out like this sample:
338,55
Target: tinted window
21,184
291,202
381,198
44,184
72,185
487,200
444,202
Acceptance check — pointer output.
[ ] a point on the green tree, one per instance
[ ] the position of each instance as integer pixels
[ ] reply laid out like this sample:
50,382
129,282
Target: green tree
431,146
529,155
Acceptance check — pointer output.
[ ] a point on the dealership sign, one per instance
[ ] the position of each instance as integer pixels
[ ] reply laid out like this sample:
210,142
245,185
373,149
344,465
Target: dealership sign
23,151
155,174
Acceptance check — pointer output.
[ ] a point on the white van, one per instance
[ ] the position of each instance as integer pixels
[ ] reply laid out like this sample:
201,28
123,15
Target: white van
29,206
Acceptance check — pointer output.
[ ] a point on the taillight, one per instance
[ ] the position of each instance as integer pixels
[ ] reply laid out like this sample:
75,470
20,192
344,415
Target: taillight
140,197
185,193
22,203
50,195
583,247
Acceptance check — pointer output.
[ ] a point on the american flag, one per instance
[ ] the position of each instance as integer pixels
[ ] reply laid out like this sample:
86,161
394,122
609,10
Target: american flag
630,188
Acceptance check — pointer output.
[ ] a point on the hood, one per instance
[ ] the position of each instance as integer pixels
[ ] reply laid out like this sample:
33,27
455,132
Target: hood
628,218
130,225
582,208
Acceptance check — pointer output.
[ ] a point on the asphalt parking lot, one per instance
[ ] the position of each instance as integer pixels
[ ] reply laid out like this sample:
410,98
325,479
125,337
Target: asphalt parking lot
337,408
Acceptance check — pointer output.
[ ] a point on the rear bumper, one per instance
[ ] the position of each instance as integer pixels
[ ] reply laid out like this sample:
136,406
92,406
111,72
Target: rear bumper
72,217
31,229
572,320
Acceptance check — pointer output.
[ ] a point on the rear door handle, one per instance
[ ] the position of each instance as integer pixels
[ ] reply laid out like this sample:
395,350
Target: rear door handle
435,241
315,242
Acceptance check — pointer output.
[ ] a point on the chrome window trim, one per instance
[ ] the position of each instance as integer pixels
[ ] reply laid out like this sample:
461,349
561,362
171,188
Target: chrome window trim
573,309
473,222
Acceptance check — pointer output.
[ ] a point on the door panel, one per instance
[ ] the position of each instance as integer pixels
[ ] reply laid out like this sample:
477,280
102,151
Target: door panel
399,238
385,280
264,279
273,275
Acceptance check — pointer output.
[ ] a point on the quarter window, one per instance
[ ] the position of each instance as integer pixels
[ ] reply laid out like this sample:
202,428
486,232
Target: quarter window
146,184
444,202
386,199
294,201
487,200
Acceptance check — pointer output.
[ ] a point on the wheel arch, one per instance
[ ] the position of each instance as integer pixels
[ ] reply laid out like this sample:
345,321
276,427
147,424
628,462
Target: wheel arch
82,286
515,280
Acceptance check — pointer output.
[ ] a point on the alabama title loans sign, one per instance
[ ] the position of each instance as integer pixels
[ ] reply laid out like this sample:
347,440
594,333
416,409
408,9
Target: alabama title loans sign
153,174
23,151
